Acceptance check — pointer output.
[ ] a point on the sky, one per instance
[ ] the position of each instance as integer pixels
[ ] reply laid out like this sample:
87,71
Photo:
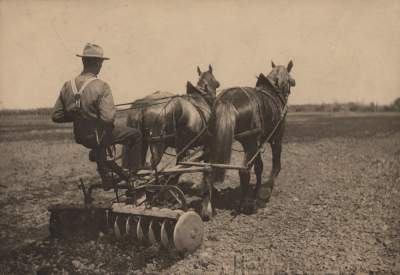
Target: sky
342,50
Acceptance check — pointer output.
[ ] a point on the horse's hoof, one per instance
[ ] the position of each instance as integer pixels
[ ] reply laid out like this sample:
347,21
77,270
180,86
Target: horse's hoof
235,212
261,203
206,216
263,197
147,166
207,212
249,207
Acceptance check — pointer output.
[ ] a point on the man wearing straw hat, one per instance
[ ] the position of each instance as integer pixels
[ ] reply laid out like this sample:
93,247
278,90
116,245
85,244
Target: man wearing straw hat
87,101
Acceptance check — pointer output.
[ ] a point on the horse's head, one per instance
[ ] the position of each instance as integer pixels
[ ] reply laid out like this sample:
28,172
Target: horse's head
207,81
279,78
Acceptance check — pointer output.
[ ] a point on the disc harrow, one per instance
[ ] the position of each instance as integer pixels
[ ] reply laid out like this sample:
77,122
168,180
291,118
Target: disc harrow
149,213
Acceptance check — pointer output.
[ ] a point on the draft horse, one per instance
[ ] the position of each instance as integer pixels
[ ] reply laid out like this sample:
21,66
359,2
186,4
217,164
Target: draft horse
252,116
169,120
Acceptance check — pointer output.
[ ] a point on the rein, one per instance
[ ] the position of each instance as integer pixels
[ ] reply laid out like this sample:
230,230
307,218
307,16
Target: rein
138,105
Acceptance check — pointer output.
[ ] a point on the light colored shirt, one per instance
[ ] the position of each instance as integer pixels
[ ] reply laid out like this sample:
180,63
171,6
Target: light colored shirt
96,101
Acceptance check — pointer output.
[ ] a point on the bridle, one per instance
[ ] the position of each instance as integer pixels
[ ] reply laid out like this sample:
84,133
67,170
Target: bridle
203,86
281,92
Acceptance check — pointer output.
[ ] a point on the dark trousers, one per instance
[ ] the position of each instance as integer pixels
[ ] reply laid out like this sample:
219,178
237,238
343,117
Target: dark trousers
126,136
131,139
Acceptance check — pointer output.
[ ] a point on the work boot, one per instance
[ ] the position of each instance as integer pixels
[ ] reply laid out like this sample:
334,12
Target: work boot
108,180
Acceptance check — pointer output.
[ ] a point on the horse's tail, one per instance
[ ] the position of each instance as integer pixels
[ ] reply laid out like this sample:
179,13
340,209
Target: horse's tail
132,157
223,122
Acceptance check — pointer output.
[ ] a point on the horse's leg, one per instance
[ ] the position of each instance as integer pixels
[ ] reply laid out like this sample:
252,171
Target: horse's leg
244,176
207,207
145,148
276,159
265,191
258,169
250,148
179,145
207,191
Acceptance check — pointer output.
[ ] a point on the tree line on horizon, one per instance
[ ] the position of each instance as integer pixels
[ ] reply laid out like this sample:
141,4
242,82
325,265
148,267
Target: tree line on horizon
322,107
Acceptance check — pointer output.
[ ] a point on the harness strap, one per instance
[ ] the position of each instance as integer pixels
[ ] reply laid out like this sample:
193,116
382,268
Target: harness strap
283,111
256,109
273,97
199,109
163,134
276,107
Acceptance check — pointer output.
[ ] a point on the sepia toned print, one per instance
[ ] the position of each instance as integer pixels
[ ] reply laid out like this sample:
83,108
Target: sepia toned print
199,137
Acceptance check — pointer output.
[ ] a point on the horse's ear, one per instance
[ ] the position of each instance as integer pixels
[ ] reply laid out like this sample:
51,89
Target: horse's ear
261,76
273,64
198,70
290,66
210,68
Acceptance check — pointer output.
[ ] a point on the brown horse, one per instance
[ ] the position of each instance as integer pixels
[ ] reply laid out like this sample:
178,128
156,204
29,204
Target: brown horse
252,116
169,120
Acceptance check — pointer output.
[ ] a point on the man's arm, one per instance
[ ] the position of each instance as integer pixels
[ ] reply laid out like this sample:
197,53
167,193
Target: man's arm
59,114
106,106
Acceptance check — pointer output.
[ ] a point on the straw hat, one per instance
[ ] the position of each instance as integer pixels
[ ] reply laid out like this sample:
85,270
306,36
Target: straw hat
93,51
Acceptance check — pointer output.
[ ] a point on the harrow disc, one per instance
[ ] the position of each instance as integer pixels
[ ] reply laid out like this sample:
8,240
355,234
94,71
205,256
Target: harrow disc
170,228
165,240
153,232
139,230
128,225
119,227
188,232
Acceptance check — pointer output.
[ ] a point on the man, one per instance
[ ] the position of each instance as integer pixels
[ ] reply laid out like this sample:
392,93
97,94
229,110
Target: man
87,101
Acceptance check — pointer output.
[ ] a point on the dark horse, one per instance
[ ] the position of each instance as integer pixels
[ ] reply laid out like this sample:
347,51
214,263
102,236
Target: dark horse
252,116
168,120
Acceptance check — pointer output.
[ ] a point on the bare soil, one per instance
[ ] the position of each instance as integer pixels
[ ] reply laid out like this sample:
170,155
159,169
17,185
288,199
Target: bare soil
335,207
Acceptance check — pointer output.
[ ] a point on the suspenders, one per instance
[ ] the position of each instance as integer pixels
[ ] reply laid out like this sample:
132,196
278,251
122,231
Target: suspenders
77,94
79,123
